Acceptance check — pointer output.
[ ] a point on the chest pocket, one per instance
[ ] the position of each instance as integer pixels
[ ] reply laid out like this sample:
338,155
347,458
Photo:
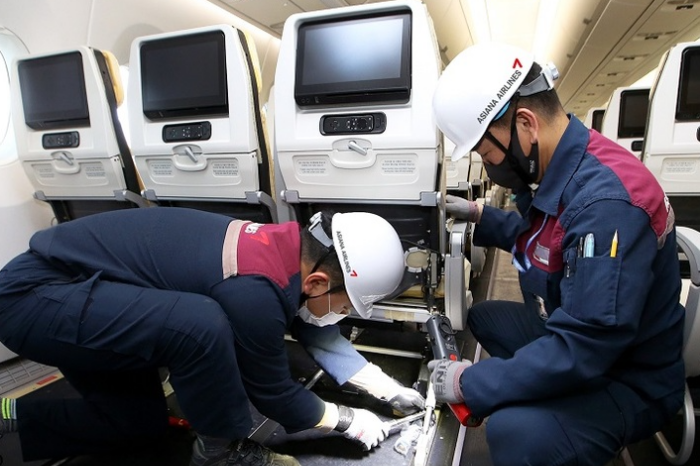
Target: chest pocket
589,288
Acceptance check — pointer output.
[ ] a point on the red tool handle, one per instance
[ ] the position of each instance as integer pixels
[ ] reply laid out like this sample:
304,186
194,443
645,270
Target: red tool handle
178,422
464,415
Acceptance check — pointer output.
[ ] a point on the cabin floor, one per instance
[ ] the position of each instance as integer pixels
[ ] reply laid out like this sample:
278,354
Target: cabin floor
449,445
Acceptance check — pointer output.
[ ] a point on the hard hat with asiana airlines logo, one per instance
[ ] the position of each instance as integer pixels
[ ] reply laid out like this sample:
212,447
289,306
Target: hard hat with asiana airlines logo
474,88
371,257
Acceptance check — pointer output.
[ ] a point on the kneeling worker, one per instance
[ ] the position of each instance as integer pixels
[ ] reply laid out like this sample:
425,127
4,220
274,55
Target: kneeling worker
110,298
590,361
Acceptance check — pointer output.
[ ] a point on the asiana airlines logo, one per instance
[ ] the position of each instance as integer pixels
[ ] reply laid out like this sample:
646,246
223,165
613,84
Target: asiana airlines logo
346,262
252,230
491,106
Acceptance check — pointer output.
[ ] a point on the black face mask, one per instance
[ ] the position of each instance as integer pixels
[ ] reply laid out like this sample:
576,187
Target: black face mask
505,175
516,171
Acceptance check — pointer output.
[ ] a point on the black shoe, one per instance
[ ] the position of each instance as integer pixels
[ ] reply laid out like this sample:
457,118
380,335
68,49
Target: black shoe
242,453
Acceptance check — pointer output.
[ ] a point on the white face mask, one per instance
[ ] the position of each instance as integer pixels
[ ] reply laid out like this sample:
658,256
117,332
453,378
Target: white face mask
331,318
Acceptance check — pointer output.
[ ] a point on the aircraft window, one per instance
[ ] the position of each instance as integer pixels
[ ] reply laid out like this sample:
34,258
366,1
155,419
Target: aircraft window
6,156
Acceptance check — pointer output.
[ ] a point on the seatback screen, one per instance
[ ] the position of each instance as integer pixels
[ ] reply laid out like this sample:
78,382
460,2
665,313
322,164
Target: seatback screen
597,121
688,104
355,60
53,91
184,76
634,106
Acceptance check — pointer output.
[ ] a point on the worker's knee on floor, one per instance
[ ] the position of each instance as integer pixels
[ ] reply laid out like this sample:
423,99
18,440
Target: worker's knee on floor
516,436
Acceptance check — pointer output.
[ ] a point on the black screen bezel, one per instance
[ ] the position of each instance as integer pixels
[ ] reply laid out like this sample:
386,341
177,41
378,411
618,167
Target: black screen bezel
624,129
216,105
54,118
686,111
365,92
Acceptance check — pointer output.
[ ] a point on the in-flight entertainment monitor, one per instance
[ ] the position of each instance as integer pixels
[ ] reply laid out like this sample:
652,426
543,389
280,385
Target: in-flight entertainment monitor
184,76
597,120
634,106
53,91
688,103
354,61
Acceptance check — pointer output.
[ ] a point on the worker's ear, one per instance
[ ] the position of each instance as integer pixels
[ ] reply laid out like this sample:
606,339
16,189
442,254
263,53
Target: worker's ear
316,283
529,124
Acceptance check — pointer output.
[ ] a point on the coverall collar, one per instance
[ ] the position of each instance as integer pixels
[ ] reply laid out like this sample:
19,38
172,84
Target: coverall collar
565,160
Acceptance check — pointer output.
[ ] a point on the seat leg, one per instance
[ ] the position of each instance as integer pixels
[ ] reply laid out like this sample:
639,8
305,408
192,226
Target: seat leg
686,448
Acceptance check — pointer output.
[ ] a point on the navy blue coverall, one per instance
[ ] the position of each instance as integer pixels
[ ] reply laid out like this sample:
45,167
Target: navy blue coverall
592,360
111,297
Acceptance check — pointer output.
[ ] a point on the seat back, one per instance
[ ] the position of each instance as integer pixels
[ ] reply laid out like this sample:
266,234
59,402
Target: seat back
354,128
69,138
689,243
625,118
672,143
198,135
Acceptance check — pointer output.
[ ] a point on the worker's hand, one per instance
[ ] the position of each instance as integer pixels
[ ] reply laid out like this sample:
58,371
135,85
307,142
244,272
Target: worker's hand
445,377
462,209
376,382
406,401
361,426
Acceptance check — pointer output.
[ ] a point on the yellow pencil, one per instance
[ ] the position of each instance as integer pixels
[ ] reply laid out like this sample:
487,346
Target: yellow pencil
613,247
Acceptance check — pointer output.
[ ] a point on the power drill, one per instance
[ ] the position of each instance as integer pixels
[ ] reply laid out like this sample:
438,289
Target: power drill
444,346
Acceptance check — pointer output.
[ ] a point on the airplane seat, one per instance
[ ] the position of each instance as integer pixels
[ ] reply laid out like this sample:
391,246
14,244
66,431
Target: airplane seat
625,118
689,245
672,145
69,138
354,131
198,130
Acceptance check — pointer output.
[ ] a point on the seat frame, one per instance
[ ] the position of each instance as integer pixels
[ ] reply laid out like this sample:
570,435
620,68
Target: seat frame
689,243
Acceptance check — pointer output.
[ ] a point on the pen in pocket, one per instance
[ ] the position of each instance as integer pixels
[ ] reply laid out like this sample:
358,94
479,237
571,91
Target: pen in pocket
589,245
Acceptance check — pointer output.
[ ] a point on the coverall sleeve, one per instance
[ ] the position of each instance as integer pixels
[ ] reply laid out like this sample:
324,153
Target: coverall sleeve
602,300
331,350
255,308
498,228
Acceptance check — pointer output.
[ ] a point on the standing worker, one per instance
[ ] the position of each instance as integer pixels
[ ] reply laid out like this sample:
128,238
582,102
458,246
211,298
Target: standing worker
591,361
110,298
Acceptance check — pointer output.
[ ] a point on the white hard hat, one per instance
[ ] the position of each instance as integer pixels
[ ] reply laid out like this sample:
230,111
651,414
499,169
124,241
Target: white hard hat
474,88
371,257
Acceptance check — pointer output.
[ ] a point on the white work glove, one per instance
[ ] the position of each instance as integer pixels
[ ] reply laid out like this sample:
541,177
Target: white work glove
361,426
445,376
373,380
462,209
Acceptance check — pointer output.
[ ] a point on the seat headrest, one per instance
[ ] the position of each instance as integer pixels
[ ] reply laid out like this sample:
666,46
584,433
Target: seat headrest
115,76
